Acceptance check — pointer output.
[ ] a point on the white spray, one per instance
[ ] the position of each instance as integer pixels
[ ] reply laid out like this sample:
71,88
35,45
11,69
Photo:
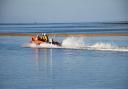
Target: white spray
73,42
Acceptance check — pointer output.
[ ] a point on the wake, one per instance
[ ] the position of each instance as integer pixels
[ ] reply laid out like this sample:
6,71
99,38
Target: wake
79,43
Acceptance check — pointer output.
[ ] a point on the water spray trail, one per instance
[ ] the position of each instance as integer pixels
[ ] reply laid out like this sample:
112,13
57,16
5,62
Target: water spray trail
73,42
79,43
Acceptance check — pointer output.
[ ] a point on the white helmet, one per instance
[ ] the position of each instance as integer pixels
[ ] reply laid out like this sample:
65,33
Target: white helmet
37,35
44,34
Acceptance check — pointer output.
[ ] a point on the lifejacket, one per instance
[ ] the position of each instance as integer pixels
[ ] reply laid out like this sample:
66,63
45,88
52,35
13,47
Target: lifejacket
45,38
36,41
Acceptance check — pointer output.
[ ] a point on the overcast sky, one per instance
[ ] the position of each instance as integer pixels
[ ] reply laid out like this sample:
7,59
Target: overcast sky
20,11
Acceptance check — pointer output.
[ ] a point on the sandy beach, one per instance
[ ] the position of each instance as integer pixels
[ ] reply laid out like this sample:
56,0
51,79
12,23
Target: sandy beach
65,35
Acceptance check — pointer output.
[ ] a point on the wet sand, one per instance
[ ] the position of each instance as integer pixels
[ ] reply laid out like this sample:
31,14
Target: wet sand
65,35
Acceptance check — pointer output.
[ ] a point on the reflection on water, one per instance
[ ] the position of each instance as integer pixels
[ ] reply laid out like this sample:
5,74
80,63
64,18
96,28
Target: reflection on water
75,69
39,54
43,61
44,53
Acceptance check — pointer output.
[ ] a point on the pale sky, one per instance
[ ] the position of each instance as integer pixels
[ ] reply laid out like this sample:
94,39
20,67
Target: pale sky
49,11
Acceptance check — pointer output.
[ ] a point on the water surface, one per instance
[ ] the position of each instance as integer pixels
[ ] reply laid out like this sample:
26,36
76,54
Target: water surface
64,28
33,68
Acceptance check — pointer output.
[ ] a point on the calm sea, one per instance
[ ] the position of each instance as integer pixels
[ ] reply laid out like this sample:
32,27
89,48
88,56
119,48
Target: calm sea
65,28
43,68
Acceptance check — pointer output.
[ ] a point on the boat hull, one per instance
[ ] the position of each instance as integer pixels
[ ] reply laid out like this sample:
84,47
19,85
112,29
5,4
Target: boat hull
39,42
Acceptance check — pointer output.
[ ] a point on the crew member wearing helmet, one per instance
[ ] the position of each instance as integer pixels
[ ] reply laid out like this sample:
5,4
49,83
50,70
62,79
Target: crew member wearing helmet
38,37
45,37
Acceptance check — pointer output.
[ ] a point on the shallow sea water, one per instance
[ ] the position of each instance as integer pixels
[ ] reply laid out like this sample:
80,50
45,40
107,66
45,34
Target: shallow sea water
42,68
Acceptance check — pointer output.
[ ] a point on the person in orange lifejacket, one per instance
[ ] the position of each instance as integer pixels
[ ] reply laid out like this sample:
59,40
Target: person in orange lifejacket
36,39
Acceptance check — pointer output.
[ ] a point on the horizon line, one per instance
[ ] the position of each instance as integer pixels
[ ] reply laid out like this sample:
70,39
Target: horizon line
105,22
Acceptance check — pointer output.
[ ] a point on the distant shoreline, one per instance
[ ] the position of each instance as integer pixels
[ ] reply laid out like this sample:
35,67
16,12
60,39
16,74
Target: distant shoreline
38,23
65,35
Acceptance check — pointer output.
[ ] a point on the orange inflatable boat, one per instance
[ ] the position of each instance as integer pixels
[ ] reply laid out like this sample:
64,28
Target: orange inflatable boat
39,41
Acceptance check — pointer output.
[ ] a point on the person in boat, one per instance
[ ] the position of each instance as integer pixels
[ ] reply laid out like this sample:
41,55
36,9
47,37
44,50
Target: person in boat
51,41
45,37
38,37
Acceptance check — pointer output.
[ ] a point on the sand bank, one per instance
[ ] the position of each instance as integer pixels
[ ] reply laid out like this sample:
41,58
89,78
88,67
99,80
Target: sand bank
65,35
